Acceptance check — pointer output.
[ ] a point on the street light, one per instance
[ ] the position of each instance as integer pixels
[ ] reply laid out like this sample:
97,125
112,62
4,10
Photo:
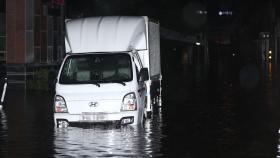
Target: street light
269,54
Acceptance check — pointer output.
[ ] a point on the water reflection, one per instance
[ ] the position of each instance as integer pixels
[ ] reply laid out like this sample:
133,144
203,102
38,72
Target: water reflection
101,141
278,146
3,133
3,122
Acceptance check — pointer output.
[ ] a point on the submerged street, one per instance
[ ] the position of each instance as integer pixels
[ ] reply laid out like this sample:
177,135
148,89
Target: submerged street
202,115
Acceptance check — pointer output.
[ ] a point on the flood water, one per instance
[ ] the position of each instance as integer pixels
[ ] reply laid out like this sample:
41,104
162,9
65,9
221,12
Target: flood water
27,130
201,116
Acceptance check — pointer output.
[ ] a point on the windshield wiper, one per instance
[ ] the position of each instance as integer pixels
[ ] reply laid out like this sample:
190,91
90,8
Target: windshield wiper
120,82
95,83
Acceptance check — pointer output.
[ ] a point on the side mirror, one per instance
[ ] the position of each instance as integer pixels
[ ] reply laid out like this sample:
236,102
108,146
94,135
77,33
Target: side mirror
144,74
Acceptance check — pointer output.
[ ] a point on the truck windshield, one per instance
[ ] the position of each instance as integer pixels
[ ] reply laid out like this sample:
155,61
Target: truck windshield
96,68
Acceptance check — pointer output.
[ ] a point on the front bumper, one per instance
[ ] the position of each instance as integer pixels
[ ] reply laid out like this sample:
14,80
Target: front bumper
121,118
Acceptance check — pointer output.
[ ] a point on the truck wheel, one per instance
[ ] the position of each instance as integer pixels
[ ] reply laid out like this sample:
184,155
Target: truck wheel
143,120
148,114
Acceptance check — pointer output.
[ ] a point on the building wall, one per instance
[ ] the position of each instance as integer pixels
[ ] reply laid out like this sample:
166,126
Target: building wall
15,22
34,32
2,37
34,37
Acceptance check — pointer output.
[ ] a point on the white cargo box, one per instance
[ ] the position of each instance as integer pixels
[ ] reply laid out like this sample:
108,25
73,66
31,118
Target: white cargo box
154,50
105,34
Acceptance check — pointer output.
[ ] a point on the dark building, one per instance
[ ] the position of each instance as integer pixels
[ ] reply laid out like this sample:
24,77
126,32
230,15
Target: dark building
34,37
2,31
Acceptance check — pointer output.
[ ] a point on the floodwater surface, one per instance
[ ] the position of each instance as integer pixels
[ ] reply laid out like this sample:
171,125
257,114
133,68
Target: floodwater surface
200,117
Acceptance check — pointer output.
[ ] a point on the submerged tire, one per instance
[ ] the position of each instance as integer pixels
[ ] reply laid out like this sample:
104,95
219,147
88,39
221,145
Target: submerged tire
148,114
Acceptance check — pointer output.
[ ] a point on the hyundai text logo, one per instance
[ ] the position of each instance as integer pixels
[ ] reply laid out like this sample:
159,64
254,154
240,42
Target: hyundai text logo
93,104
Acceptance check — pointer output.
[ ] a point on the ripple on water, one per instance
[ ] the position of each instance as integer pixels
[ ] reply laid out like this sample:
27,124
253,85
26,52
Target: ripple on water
142,141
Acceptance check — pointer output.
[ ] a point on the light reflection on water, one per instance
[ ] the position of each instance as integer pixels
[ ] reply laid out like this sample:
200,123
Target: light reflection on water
129,141
3,122
278,145
3,133
107,141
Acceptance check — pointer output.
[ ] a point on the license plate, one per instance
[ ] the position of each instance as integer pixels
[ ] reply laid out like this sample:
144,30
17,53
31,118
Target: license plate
94,117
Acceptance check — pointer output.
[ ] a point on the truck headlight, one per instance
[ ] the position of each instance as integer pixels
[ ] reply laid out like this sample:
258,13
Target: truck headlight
129,102
60,105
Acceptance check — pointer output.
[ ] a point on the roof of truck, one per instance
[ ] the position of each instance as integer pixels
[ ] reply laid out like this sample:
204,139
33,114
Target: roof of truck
106,34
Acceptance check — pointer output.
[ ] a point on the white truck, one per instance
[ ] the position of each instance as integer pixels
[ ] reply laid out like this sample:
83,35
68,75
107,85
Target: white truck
111,71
